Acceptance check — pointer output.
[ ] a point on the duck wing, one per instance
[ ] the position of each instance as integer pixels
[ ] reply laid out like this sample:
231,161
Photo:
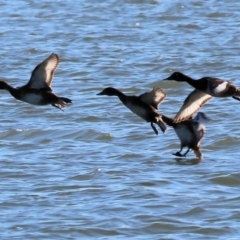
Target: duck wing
42,75
194,101
154,97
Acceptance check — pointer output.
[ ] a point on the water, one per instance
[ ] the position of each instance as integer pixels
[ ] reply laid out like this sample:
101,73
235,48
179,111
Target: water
97,171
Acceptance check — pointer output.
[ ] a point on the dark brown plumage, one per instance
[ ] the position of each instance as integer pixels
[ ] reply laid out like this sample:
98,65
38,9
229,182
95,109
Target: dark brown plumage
205,89
145,105
38,90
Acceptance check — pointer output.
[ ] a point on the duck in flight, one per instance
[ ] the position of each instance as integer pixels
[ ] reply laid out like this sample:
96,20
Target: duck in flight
205,89
145,105
38,90
190,133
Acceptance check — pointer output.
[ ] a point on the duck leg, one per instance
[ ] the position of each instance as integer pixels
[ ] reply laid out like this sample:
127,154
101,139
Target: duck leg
185,154
154,128
57,106
162,126
160,123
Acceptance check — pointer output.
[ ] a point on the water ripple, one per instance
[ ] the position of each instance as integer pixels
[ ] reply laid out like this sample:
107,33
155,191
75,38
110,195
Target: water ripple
96,170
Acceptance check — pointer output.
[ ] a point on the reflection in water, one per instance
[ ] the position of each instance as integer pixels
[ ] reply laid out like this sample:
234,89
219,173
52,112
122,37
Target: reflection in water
193,161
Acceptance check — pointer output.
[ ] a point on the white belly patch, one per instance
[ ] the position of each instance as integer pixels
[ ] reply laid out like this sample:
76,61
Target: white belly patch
35,99
141,112
184,134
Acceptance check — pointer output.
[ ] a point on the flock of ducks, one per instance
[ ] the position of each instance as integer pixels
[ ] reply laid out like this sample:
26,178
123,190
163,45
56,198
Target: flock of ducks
189,130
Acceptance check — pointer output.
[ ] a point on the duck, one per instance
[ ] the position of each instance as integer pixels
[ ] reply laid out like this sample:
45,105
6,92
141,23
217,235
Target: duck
38,90
205,89
190,133
144,105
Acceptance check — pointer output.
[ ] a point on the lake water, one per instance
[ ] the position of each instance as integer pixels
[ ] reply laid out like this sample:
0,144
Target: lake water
97,171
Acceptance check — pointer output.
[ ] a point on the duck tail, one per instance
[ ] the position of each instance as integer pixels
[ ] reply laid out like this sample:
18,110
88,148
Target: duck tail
168,120
236,94
161,124
197,152
66,100
61,102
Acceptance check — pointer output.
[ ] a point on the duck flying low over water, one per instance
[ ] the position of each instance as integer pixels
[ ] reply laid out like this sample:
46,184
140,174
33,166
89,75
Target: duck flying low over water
38,90
205,89
145,105
190,133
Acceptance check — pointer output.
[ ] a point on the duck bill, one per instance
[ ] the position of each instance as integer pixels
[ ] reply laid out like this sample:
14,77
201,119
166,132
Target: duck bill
101,93
169,78
203,117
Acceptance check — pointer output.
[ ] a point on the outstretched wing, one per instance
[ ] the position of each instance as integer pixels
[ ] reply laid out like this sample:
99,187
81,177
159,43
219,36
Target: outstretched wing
153,98
42,75
194,101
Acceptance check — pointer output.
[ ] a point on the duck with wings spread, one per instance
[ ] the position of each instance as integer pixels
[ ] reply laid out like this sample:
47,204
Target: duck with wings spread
38,90
144,105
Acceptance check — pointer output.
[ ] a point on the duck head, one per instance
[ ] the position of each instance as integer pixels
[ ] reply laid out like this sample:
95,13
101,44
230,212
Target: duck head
3,85
109,91
177,76
202,118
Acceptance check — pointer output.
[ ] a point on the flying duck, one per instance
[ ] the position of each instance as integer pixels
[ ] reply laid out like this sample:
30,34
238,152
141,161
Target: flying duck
205,89
38,90
190,132
145,105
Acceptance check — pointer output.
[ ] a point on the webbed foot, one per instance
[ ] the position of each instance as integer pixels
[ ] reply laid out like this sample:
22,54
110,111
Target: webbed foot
178,154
